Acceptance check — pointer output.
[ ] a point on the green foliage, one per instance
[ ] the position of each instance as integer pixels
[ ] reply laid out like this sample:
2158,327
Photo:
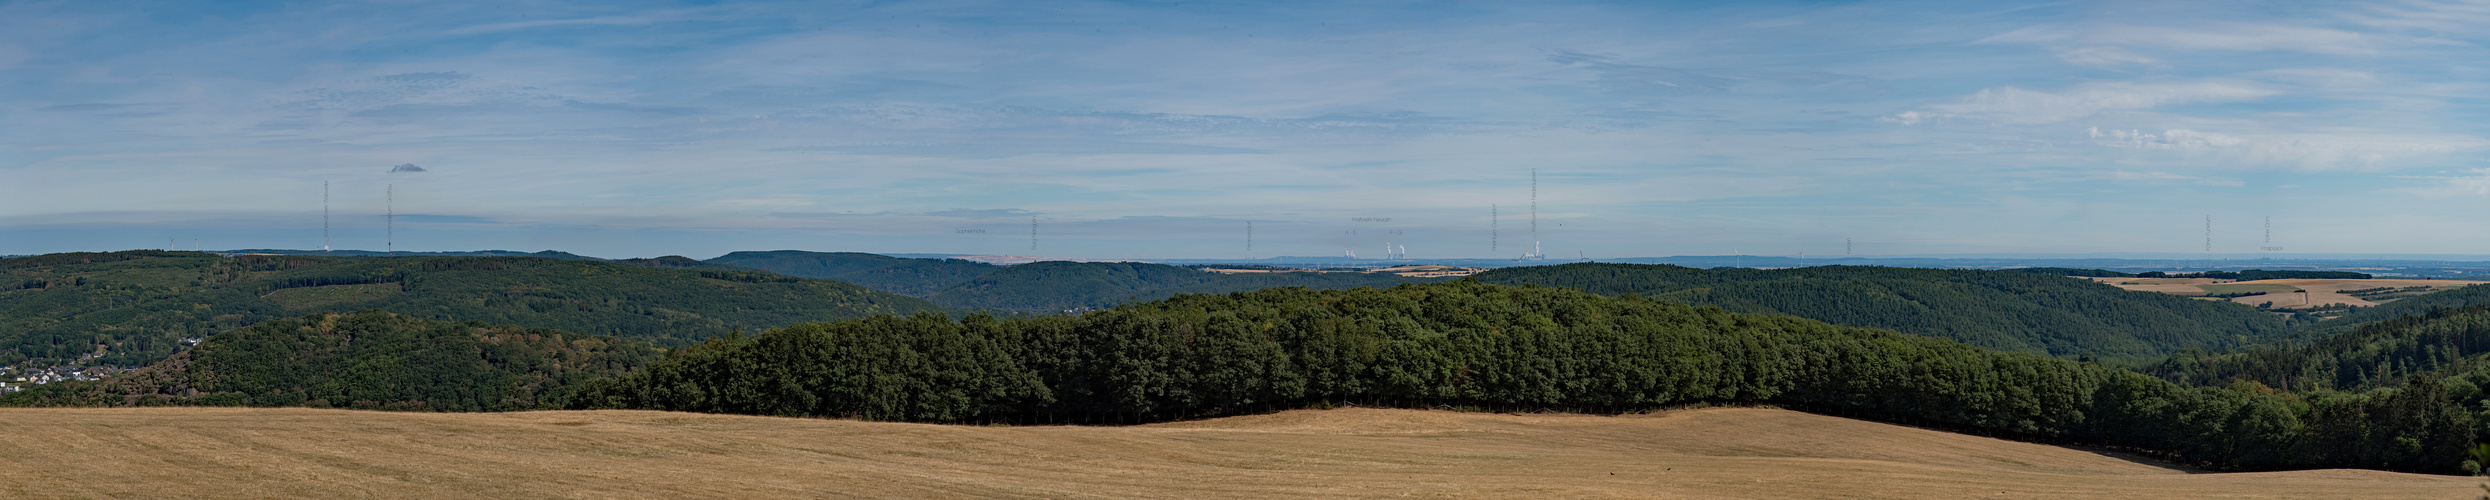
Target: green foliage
1054,286
911,277
1080,286
368,359
681,262
2063,271
2474,295
2005,310
55,308
309,297
1473,344
2371,355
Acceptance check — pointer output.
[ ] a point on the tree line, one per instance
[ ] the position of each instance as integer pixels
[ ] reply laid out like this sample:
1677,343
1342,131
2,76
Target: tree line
367,360
1471,344
2004,310
141,304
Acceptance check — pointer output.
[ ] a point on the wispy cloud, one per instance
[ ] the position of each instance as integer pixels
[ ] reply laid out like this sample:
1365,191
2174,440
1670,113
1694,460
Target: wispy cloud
2019,105
2310,151
1154,128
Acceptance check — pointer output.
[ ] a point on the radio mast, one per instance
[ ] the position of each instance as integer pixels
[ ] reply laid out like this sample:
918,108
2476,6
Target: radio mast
324,217
1534,215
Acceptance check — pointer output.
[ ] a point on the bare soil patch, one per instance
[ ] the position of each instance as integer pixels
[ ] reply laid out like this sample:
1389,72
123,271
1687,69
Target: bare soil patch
1708,453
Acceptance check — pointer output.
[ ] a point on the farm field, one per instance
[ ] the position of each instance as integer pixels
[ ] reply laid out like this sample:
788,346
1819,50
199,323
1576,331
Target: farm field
2285,294
1705,453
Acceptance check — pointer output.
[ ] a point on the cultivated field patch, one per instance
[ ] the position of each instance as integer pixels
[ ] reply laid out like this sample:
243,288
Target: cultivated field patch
2287,294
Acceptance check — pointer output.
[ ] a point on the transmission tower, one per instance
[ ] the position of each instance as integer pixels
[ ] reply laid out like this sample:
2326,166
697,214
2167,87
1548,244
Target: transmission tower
324,216
390,221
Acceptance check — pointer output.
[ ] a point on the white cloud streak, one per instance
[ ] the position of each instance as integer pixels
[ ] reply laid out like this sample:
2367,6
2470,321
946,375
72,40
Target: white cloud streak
2025,106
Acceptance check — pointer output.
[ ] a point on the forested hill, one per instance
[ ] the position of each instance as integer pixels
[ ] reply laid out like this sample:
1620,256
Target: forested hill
1035,287
133,308
1072,286
367,359
681,262
911,277
1469,344
2440,343
2475,295
2007,310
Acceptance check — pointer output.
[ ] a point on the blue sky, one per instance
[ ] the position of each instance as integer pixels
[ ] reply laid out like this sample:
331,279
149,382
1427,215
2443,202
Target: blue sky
1160,129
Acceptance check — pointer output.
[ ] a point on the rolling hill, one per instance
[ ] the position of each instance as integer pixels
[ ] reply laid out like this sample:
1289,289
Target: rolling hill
2439,343
367,359
2475,295
1076,286
133,308
2005,310
1342,453
1051,286
1470,344
904,276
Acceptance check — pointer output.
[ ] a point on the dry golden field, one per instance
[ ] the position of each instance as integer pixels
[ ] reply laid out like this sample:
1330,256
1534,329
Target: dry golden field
1707,453
2283,293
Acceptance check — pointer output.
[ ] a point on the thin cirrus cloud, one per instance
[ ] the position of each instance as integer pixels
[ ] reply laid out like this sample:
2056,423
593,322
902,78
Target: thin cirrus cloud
1157,130
2026,106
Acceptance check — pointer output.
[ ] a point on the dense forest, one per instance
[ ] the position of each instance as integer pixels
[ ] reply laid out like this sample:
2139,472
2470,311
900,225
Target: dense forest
904,276
681,262
1470,344
1076,286
1046,287
368,359
2065,271
2005,310
2388,353
2475,295
137,306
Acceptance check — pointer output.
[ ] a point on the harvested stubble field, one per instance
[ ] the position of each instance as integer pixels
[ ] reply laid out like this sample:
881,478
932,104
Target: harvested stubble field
1707,453
2285,293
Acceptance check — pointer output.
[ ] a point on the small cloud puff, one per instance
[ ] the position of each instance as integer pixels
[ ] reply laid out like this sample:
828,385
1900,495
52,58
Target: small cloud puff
405,167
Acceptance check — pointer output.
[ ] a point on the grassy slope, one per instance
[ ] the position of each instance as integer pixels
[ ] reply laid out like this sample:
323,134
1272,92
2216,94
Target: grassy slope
1358,453
140,304
2004,310
368,359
